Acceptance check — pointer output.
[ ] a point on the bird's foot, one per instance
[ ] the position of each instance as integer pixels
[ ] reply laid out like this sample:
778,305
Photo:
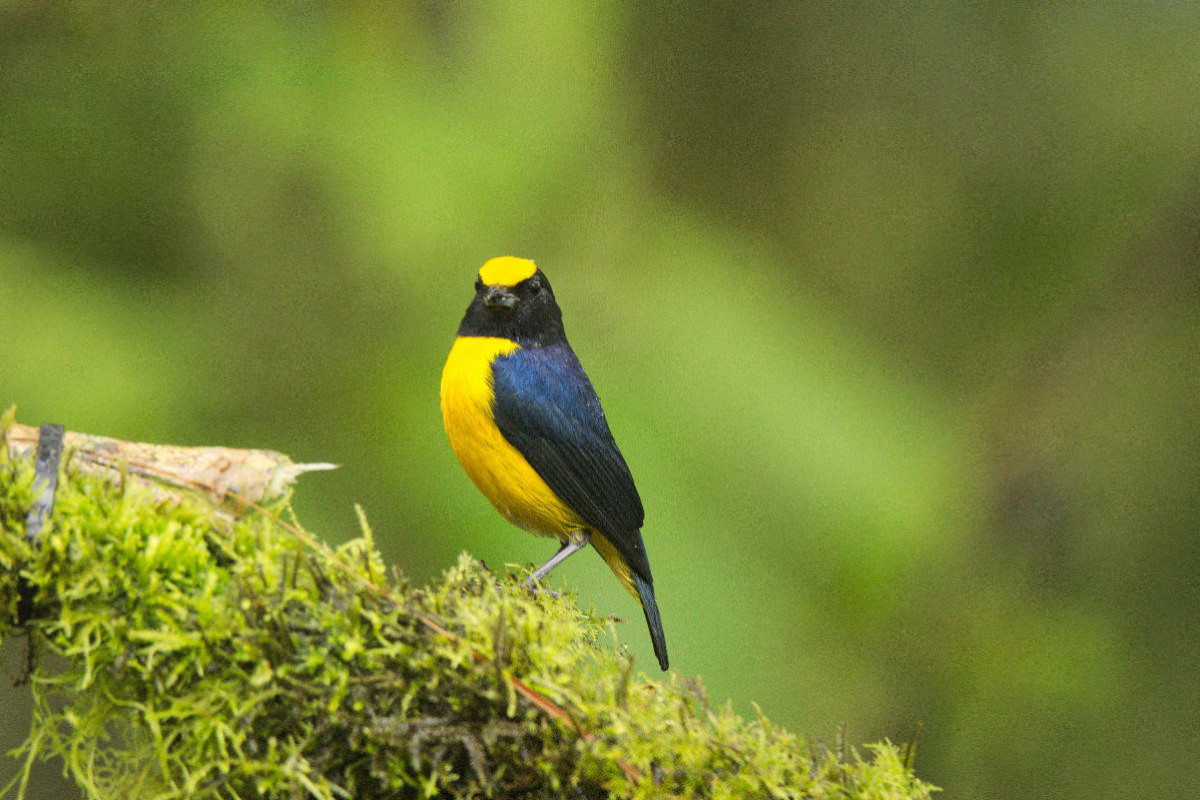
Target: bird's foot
533,587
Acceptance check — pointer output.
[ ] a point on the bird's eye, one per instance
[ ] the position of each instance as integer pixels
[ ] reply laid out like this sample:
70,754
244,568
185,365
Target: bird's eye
535,285
478,284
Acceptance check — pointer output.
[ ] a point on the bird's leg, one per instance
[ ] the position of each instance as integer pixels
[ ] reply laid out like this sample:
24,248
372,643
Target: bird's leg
576,541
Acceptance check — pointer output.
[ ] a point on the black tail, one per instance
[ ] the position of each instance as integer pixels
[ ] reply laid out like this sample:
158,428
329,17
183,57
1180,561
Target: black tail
650,607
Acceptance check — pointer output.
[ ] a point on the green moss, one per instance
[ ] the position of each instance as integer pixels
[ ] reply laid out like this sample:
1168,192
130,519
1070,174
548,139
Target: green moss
181,654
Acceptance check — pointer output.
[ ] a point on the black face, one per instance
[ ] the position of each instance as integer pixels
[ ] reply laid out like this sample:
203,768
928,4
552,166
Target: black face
525,313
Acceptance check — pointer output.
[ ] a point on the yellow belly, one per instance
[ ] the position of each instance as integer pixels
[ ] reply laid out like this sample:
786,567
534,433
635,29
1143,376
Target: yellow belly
496,467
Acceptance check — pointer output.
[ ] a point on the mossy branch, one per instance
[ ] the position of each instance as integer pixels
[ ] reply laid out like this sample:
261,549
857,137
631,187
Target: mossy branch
184,651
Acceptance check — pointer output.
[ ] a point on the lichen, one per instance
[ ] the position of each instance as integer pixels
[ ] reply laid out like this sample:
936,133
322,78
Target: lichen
179,653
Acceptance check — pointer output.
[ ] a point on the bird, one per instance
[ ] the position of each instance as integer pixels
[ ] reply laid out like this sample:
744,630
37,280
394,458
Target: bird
526,424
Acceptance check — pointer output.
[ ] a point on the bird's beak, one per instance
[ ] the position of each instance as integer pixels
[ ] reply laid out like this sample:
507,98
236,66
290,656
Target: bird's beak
499,297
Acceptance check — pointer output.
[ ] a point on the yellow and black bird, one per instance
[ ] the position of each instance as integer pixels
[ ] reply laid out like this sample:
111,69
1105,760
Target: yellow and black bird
527,426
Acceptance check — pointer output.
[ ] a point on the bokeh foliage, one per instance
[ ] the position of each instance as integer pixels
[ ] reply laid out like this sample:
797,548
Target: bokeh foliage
893,311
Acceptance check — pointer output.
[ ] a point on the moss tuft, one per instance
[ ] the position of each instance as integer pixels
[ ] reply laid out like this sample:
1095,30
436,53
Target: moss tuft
184,654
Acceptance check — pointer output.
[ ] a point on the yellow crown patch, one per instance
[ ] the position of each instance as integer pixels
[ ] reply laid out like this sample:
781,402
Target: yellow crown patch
506,270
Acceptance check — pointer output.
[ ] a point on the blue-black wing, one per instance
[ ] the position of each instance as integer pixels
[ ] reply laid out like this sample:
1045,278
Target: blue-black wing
546,408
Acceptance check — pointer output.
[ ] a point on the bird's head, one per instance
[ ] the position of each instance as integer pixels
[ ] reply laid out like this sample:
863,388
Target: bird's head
513,300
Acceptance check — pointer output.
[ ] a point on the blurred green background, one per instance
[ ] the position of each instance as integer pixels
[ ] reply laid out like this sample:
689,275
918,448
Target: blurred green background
894,311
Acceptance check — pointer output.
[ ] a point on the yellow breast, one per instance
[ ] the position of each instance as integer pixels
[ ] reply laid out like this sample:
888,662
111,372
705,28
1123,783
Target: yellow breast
496,467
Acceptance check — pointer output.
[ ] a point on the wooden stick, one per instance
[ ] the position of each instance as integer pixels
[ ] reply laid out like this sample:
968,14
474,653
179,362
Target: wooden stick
229,475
